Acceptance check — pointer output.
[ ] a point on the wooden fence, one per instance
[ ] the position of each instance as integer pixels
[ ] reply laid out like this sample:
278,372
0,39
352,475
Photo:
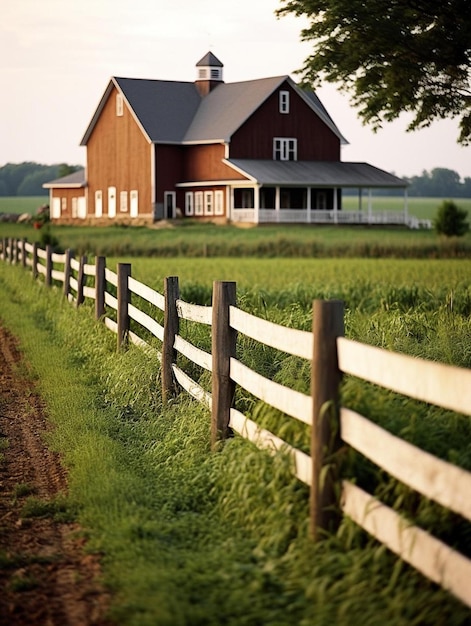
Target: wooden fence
331,356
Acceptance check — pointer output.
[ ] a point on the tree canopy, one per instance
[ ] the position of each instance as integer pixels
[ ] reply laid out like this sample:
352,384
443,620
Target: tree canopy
392,56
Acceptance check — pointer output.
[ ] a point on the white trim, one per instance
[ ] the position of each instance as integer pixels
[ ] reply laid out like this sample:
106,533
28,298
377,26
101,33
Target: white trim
285,146
111,202
208,203
218,202
98,203
189,203
173,196
123,202
283,101
133,203
199,203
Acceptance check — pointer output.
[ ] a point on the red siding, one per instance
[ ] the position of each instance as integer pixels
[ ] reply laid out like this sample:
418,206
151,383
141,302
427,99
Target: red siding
205,163
254,139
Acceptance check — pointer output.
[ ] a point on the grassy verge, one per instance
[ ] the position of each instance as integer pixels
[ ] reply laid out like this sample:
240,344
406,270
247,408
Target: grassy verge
190,239
188,537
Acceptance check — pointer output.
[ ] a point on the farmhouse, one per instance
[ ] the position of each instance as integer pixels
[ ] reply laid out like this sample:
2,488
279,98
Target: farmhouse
255,151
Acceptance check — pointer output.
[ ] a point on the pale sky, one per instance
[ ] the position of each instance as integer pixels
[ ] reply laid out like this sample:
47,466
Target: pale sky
57,56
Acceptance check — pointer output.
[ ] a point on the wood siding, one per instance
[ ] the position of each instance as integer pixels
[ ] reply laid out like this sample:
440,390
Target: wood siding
254,139
68,198
205,163
168,169
119,155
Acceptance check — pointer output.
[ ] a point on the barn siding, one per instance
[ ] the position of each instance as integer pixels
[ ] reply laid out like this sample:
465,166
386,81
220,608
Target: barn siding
118,155
254,139
205,163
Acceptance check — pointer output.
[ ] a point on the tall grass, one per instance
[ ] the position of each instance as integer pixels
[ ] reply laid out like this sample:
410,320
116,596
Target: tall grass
190,537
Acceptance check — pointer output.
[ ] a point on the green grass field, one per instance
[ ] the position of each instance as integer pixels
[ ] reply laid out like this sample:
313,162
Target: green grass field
18,205
191,538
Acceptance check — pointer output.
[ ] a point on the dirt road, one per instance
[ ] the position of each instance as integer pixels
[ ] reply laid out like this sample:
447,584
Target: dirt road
46,576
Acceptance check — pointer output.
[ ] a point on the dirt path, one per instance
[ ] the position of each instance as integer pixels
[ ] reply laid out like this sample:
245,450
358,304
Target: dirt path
46,577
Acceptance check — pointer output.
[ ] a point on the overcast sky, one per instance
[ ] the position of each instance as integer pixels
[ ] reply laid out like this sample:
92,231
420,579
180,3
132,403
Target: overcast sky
56,58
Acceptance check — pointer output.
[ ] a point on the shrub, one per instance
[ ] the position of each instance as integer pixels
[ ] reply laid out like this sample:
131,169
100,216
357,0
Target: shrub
451,220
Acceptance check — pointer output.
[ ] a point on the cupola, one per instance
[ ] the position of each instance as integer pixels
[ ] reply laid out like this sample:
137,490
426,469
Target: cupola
208,73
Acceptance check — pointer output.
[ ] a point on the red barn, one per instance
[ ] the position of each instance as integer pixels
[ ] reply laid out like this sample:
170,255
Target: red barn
253,151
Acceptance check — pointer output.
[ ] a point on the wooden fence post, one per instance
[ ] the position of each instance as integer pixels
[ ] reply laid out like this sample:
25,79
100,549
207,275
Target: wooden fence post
81,280
23,252
124,298
325,488
100,284
17,252
223,347
67,272
48,277
34,264
171,328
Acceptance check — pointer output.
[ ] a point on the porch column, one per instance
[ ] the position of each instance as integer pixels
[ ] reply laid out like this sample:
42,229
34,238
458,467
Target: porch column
256,202
336,219
308,202
369,205
277,204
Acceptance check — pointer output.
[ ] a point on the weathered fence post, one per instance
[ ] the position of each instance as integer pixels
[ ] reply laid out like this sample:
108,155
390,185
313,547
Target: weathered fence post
23,252
100,284
124,297
67,272
81,280
48,277
326,376
171,327
34,262
223,347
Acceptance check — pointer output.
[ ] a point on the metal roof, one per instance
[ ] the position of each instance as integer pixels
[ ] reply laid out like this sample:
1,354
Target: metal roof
209,59
76,179
316,173
174,112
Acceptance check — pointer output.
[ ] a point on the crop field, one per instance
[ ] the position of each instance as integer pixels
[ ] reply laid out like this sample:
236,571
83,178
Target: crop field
201,538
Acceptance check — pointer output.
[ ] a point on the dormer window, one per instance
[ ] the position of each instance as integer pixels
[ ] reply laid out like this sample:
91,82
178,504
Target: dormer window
285,149
119,105
284,101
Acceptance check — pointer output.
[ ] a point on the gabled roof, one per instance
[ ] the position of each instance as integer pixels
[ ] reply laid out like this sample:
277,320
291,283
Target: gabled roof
174,112
316,173
76,179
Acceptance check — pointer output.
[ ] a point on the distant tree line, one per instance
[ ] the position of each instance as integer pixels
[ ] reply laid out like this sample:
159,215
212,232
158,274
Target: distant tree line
26,179
438,183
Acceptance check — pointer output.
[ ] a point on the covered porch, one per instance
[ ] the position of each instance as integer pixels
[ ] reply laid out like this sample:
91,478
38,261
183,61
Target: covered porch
311,193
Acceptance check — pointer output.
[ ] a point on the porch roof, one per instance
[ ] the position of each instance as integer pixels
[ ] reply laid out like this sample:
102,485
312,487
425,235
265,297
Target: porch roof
315,173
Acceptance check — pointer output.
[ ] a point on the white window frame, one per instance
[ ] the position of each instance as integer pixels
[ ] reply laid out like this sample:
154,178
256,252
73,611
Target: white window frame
119,105
285,149
189,203
208,203
284,101
198,203
56,208
134,203
98,203
219,202
123,201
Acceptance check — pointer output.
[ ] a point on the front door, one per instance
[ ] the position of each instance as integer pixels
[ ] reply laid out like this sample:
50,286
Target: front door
170,201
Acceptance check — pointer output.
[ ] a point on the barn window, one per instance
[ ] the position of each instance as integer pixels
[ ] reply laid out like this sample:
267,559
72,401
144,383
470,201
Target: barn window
208,203
285,149
189,209
123,201
198,203
119,105
284,101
